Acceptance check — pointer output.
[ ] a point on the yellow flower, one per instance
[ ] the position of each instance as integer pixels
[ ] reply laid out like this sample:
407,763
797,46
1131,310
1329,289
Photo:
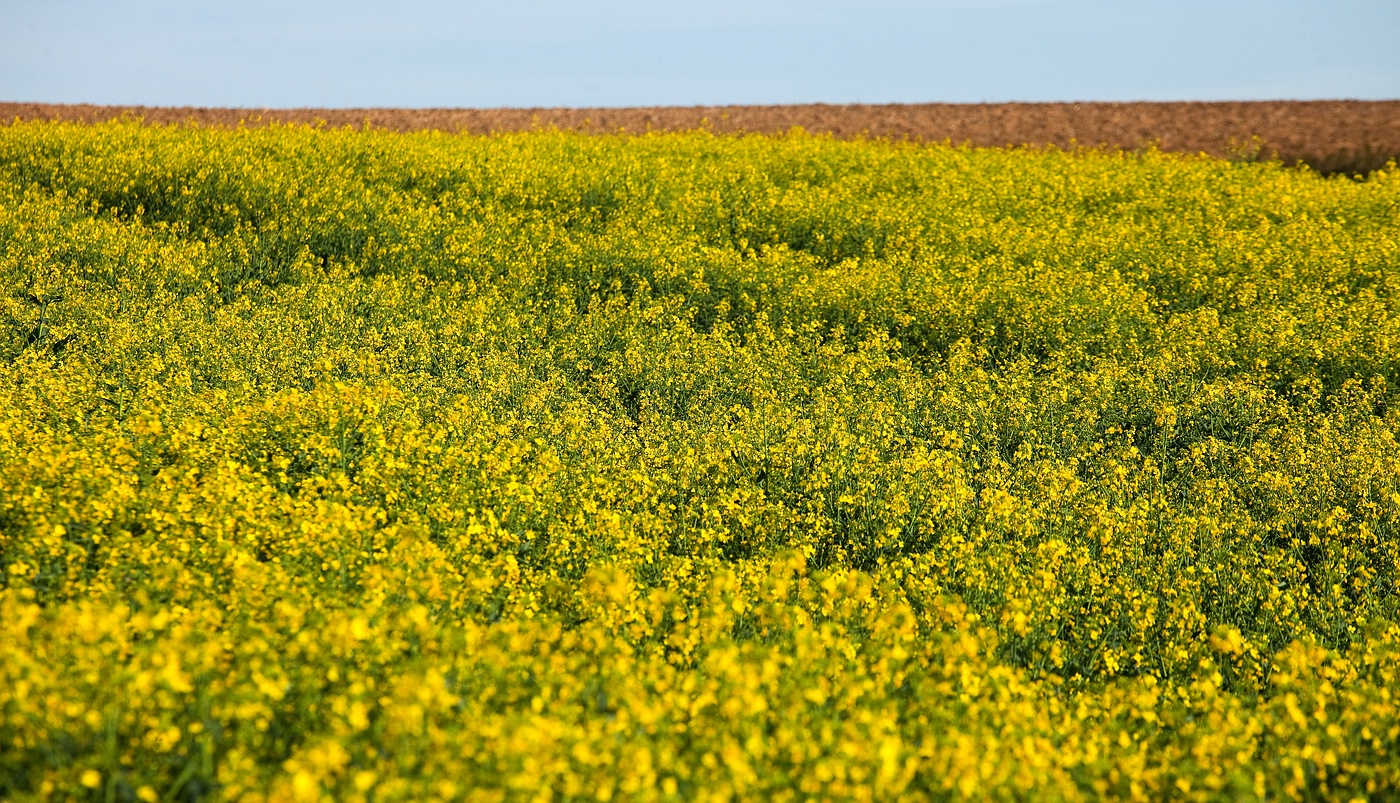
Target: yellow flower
339,463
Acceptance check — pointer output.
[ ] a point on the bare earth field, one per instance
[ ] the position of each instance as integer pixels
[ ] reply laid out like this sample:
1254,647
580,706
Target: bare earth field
1332,136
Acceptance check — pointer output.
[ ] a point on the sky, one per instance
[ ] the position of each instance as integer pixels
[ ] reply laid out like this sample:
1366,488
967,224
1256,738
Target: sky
582,53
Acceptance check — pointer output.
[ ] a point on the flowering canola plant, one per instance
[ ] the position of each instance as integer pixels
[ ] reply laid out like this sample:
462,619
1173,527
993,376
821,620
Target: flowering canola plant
351,465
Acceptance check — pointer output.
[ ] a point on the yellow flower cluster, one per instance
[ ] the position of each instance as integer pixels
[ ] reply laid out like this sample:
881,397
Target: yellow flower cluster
347,465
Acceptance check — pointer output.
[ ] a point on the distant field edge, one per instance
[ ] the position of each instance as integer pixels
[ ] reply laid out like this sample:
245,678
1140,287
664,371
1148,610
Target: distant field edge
1331,136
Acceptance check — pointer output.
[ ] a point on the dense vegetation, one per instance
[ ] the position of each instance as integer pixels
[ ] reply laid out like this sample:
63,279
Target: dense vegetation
354,465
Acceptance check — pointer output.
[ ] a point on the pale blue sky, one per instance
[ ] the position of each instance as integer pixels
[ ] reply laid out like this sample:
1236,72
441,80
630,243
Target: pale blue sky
338,53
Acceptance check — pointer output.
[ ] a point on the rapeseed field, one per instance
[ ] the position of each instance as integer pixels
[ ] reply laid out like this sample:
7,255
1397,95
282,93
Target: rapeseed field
350,465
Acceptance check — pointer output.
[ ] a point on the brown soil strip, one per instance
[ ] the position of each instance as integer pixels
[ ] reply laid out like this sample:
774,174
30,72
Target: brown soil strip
1331,136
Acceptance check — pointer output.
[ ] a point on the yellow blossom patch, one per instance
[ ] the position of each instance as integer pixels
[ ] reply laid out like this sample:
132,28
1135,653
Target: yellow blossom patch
350,465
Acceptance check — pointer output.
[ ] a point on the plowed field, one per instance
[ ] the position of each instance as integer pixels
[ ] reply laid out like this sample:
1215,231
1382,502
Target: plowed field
1331,136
